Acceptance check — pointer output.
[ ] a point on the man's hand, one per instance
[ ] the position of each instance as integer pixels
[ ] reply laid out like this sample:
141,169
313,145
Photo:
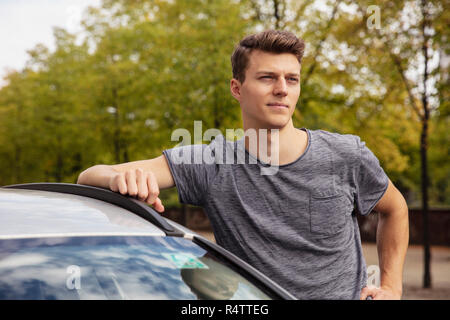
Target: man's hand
138,184
382,293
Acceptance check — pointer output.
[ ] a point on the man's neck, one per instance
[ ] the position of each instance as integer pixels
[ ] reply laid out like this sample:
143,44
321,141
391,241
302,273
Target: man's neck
277,146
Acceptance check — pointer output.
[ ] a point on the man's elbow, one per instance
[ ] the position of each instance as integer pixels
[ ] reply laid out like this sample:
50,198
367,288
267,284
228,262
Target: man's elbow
401,208
392,203
396,214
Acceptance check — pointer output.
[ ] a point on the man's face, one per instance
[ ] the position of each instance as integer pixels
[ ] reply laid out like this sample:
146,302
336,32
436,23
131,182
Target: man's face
270,91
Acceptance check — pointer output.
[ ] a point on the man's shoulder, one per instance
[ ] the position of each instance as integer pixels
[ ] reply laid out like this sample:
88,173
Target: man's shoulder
335,138
218,151
343,144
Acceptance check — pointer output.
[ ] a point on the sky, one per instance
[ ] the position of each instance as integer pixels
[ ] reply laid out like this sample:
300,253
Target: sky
25,23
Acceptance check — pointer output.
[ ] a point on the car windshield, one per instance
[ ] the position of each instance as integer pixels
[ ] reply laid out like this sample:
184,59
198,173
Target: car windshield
117,268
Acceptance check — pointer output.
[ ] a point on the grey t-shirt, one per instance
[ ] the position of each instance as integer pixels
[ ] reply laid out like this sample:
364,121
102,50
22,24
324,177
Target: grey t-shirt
297,226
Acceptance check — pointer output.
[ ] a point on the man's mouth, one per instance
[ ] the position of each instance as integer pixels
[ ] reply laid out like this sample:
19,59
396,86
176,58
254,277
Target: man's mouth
278,105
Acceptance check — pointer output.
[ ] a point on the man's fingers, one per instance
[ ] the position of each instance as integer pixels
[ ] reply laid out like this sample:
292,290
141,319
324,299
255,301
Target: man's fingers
366,292
153,189
130,177
153,193
158,205
122,184
139,184
118,183
142,185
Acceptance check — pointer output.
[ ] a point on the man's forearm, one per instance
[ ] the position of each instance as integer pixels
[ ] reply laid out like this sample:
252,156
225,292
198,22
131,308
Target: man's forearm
98,176
392,243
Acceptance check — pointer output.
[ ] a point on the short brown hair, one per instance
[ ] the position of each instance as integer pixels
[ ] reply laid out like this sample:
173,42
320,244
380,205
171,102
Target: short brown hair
274,41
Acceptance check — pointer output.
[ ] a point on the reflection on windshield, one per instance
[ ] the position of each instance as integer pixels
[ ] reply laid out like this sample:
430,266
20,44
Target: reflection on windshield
116,268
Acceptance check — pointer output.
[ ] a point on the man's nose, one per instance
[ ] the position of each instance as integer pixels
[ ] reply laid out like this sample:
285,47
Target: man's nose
280,88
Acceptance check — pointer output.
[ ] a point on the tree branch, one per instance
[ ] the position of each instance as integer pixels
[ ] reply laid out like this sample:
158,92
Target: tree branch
319,45
300,11
401,71
398,64
276,14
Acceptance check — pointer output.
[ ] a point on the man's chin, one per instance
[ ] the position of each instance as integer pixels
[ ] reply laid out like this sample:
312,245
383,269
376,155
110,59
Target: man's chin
277,124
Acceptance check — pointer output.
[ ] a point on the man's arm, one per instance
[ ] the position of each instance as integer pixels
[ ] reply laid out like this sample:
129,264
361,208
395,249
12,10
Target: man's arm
141,179
392,243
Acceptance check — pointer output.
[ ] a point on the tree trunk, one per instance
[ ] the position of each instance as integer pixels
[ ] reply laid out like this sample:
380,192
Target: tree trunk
184,215
423,152
116,127
17,163
426,238
276,14
59,159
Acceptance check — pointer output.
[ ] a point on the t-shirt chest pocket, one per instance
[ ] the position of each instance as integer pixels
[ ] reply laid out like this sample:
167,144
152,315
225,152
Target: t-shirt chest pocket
328,215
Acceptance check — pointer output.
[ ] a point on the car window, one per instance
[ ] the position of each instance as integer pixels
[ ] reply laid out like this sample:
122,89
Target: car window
117,268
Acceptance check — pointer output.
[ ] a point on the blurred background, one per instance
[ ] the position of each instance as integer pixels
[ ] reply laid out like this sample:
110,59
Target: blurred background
107,81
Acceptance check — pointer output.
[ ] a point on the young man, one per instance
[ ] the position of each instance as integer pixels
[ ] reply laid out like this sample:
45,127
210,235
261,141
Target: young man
298,225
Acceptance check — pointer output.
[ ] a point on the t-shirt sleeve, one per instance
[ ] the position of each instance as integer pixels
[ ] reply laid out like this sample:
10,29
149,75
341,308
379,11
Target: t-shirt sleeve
371,181
193,170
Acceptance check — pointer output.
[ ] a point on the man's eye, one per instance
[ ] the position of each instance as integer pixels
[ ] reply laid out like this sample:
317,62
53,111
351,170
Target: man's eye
266,77
293,79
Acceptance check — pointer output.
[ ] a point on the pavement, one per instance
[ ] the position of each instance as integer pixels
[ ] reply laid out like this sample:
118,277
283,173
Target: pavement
412,271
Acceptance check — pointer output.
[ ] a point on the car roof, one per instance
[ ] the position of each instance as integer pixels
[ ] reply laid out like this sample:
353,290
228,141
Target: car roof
35,213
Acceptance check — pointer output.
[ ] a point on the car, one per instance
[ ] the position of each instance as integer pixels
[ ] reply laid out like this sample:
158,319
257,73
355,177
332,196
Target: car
69,242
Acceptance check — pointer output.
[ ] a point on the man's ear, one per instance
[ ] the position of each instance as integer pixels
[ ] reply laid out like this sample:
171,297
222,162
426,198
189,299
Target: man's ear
235,88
